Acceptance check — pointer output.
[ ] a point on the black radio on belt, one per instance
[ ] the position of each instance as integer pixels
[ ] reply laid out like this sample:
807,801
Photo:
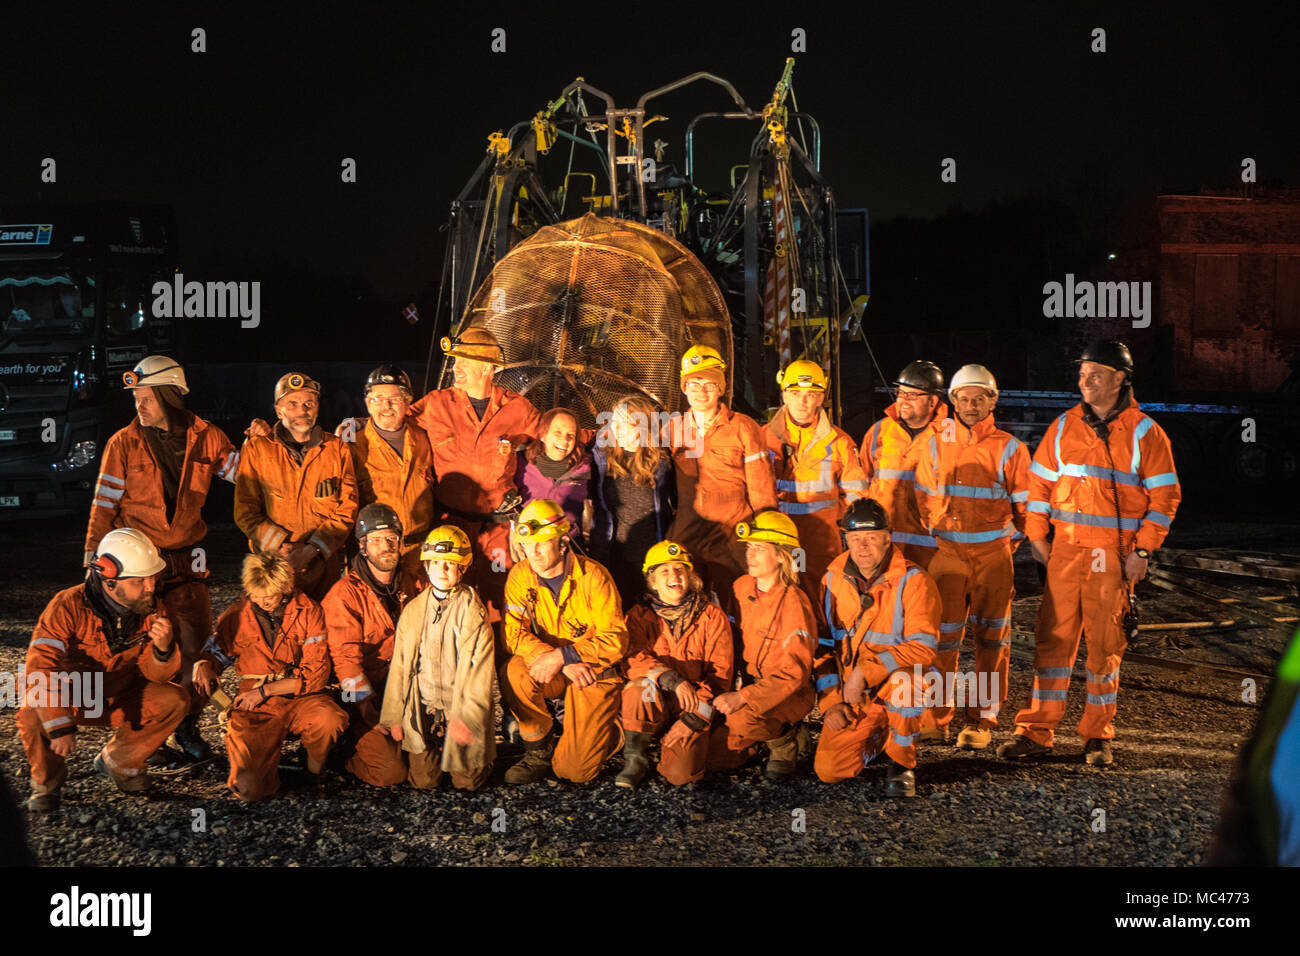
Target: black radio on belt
1131,618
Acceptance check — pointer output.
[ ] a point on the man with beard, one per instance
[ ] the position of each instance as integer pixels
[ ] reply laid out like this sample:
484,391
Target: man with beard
296,491
361,613
155,476
109,630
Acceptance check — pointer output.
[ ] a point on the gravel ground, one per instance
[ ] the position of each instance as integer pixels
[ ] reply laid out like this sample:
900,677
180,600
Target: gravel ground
1178,734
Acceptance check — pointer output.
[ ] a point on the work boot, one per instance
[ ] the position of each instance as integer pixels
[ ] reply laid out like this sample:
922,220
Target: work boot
1020,747
974,737
900,781
636,763
43,802
131,783
187,739
1096,753
782,753
536,761
932,732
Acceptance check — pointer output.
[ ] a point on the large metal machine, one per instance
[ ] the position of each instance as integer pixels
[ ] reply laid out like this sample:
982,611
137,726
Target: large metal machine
598,261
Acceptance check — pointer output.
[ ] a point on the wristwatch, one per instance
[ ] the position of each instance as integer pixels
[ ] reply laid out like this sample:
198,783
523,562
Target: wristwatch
1142,553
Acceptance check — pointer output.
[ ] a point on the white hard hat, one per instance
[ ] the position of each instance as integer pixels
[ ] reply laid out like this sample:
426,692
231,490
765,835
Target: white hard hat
156,370
127,553
973,375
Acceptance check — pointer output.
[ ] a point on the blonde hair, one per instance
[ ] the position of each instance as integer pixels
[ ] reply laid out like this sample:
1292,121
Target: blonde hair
785,557
266,573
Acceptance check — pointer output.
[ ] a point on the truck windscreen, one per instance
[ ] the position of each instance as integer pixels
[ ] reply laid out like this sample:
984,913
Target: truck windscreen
45,304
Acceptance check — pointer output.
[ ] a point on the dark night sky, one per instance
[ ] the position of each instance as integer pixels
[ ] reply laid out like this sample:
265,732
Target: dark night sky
246,139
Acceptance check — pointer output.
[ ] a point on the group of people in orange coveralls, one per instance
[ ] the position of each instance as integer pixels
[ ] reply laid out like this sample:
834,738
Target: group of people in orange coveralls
699,583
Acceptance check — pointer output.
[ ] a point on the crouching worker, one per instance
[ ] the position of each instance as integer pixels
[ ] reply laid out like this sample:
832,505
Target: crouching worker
275,636
102,654
361,612
564,637
679,659
883,613
778,632
438,700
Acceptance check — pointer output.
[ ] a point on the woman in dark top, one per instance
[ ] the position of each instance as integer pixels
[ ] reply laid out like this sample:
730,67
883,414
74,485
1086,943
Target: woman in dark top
631,488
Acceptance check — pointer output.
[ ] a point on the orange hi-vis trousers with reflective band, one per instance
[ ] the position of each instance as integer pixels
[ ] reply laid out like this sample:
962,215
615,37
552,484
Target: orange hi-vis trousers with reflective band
1085,593
887,723
976,586
649,710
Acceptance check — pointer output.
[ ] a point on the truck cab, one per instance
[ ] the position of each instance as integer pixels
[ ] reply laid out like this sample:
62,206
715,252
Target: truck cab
75,298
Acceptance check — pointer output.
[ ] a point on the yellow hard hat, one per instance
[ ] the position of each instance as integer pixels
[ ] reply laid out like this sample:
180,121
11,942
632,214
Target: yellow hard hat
701,358
542,520
666,552
770,526
447,543
802,374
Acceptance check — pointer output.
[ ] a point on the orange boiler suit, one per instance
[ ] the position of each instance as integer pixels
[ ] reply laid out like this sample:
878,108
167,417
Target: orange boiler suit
300,650
474,462
818,475
778,638
1074,481
587,623
278,500
404,482
360,629
71,638
701,651
724,475
972,487
889,454
891,639
129,494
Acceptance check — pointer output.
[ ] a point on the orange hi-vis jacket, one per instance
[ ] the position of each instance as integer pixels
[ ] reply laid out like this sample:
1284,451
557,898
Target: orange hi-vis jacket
724,475
778,637
899,630
972,484
587,620
1073,483
276,499
361,631
889,456
474,459
70,639
301,649
822,476
404,483
703,654
129,493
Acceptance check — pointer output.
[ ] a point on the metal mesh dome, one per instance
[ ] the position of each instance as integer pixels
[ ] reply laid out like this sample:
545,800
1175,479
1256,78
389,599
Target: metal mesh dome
591,309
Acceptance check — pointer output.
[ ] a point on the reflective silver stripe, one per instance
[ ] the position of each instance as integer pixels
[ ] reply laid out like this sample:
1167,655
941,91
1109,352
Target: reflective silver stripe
229,466
515,609
51,642
56,723
313,639
754,457
267,535
704,710
125,771
110,505
108,491
105,476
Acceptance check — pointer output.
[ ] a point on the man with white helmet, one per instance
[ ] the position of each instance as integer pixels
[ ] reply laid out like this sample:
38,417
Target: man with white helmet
972,489
102,653
155,476
296,490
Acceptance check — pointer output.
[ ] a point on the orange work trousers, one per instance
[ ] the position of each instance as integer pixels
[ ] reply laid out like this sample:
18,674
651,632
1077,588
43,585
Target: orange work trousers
888,722
1085,593
648,710
189,605
144,713
254,738
374,756
733,742
976,585
918,554
591,732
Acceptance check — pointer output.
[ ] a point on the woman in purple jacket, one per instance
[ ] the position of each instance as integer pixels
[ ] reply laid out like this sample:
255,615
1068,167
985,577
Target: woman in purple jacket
557,466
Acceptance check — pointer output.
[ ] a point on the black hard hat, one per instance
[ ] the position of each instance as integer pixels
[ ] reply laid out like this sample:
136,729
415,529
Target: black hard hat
925,376
388,375
377,516
865,514
1109,352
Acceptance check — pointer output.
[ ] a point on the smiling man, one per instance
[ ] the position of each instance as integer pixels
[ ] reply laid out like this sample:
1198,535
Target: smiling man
296,491
1103,481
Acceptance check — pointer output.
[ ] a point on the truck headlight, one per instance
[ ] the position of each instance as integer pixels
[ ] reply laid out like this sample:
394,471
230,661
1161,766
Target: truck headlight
83,453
